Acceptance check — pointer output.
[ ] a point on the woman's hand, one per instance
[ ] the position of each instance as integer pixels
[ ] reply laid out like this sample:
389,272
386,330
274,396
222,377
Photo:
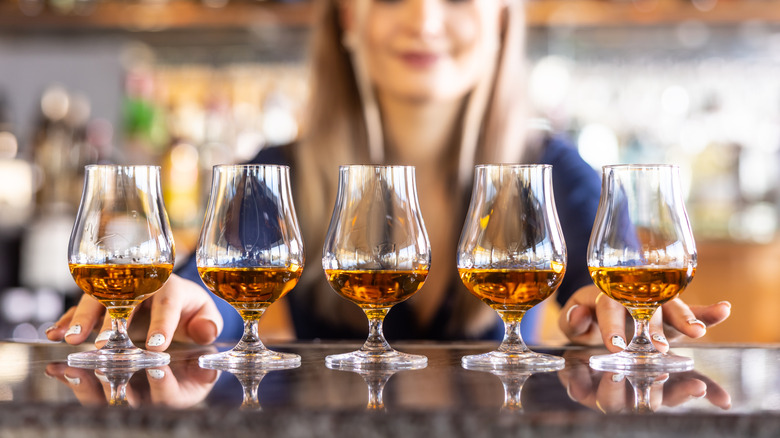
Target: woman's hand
589,317
181,310
609,393
181,384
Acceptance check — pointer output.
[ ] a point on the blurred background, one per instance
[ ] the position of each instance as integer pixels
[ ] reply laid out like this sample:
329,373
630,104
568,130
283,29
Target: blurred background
187,84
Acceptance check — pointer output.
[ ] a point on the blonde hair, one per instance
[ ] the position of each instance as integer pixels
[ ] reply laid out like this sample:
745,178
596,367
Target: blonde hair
343,126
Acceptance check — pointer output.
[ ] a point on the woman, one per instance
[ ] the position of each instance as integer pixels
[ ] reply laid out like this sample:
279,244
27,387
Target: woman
436,84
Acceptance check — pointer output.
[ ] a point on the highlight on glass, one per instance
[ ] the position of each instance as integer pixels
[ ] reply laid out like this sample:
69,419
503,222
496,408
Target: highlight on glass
641,254
376,255
121,251
512,255
250,254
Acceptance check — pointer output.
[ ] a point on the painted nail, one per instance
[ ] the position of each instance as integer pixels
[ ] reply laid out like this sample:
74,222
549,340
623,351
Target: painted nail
617,378
659,338
51,327
75,381
619,342
73,330
155,373
102,377
568,312
693,321
156,340
103,336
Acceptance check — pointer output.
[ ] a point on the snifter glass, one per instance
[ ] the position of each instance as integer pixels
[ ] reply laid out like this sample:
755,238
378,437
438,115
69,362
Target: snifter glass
250,254
376,254
641,254
120,252
512,255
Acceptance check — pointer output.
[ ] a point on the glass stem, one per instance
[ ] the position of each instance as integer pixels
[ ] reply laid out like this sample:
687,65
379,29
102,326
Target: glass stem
250,386
513,340
118,395
250,340
376,342
641,341
513,389
119,339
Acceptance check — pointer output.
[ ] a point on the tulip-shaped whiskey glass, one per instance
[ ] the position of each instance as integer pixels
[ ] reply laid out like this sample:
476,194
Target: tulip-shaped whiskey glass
641,254
376,254
512,255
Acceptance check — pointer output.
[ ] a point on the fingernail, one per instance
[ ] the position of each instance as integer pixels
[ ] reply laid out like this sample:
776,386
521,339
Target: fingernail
726,303
103,336
155,373
75,381
102,377
693,321
73,330
156,340
659,338
702,395
568,312
51,327
617,378
619,342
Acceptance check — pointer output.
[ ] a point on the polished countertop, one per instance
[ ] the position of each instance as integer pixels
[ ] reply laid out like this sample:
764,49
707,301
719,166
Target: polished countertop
732,391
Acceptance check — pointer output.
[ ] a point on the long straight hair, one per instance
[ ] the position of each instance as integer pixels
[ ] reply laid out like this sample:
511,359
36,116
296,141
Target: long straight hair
343,126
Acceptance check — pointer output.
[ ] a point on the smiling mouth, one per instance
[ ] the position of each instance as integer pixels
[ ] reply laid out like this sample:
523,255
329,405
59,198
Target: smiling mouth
419,59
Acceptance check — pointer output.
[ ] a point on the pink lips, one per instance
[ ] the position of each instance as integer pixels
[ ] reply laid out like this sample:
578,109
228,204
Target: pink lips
419,59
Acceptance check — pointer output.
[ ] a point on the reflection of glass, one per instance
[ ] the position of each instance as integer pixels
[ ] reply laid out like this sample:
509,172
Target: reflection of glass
376,254
643,383
641,254
511,254
250,379
250,253
121,252
115,378
375,379
512,381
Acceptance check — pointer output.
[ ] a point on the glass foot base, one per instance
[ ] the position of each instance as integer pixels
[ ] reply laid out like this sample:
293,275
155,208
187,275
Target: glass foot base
498,360
360,359
632,361
241,359
118,358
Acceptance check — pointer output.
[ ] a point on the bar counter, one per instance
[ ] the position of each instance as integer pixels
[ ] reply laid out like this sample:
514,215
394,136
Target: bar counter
733,391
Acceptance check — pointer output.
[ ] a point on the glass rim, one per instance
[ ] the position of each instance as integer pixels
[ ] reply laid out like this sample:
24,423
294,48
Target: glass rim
639,166
375,166
121,166
250,166
513,166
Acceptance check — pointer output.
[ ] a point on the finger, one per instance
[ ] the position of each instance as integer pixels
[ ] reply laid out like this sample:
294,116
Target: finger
57,330
656,392
182,309
576,315
715,393
611,317
693,321
681,390
87,314
579,384
657,331
611,393
165,317
713,314
87,389
206,324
